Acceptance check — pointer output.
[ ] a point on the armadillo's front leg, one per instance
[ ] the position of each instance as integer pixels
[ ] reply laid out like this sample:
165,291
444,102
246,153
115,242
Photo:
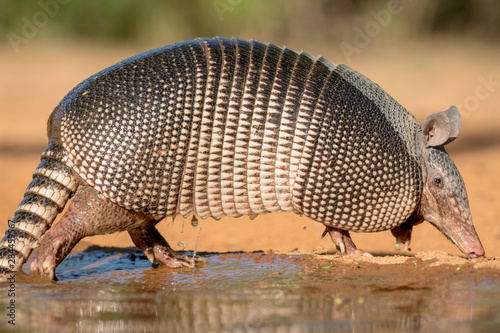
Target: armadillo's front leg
156,248
402,232
343,242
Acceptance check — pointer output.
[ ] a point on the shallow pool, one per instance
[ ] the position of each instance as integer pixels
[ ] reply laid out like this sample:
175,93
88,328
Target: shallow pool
117,290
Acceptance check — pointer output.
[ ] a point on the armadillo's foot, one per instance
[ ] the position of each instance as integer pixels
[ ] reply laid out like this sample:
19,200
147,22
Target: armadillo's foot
157,250
47,268
403,235
52,251
343,242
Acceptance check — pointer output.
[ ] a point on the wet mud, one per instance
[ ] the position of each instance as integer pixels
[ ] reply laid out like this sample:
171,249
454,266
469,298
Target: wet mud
117,289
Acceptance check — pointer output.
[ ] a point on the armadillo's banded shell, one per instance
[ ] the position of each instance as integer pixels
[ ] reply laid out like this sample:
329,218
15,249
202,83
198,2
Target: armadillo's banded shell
222,127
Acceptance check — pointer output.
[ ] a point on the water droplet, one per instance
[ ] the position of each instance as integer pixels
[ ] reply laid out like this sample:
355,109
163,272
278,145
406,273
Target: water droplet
305,228
181,244
194,221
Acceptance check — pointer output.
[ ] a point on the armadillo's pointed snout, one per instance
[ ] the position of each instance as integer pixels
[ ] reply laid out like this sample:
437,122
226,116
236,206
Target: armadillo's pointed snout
476,251
463,234
468,242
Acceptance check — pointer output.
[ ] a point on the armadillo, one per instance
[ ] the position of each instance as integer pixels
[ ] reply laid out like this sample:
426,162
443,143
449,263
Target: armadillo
227,127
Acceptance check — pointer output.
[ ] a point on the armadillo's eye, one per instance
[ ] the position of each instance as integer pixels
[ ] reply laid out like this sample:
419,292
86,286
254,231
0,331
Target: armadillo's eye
437,181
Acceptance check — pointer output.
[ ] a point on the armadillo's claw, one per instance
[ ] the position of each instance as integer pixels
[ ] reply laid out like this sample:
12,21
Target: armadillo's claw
45,268
161,254
407,245
341,247
165,255
149,253
398,243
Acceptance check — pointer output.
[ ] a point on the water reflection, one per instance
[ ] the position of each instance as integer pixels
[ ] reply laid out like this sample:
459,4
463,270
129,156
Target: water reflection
106,291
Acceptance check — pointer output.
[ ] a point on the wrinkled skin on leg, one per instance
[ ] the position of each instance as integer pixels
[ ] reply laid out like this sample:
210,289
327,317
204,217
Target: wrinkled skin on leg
91,214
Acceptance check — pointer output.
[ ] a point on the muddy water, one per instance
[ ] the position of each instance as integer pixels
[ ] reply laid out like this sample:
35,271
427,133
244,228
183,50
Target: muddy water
117,290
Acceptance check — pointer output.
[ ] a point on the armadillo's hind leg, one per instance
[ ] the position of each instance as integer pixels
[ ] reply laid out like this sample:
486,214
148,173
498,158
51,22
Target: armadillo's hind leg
155,247
343,242
56,244
88,214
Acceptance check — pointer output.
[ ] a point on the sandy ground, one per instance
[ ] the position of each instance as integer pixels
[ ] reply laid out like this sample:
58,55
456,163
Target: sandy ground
423,78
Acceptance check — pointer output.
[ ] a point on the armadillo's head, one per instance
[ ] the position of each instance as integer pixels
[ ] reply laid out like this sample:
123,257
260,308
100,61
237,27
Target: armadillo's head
444,200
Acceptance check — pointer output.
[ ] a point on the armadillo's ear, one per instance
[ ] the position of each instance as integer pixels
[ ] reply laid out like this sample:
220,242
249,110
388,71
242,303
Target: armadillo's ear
442,127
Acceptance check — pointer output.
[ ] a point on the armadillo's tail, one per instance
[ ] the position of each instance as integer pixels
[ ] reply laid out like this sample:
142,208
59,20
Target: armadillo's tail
53,184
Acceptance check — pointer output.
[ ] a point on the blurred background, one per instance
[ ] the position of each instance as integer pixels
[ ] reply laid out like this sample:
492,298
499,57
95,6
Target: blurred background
157,22
427,54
